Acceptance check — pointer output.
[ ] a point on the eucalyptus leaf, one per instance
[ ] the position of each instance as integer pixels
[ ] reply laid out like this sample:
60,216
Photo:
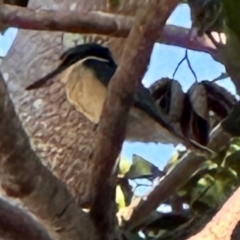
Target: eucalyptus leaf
233,161
120,199
142,168
124,166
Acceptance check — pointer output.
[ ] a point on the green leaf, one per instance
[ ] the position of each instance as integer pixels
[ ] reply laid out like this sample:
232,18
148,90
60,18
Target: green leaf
209,169
233,161
233,148
212,189
142,168
120,199
124,166
236,141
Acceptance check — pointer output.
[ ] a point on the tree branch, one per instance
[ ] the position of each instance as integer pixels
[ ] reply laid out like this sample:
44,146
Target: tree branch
68,21
23,176
17,224
97,23
180,37
112,125
178,177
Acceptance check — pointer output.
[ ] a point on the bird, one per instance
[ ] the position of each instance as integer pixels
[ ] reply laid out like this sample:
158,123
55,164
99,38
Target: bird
86,71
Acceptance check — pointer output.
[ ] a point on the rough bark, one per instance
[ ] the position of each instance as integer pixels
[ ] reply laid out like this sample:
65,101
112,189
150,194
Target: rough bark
23,176
61,136
222,226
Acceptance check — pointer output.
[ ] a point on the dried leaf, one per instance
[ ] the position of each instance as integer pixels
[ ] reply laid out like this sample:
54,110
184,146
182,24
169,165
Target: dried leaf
169,97
198,99
161,92
220,101
194,126
177,102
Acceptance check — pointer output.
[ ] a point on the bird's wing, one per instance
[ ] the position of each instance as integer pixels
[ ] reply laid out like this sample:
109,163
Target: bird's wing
144,101
104,70
142,97
66,62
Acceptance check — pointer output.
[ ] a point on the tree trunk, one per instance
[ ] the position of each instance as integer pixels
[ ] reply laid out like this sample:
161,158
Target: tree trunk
61,136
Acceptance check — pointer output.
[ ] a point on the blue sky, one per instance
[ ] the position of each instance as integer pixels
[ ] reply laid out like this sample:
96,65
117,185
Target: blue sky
163,63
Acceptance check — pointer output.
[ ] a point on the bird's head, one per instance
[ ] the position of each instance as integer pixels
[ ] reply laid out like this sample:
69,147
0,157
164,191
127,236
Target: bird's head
80,53
86,51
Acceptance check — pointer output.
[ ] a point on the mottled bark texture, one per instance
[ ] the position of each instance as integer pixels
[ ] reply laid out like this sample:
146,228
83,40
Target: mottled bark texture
62,137
23,176
225,224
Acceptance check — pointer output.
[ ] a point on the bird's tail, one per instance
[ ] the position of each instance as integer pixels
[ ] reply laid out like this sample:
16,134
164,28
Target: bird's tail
67,59
41,82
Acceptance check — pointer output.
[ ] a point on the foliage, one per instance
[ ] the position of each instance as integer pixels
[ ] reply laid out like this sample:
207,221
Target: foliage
212,183
206,190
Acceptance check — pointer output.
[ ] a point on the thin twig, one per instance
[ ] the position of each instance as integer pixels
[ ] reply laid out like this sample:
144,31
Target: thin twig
190,66
188,63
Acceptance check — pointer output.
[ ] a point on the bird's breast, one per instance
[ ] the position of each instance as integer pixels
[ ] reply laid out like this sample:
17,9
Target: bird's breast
85,92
